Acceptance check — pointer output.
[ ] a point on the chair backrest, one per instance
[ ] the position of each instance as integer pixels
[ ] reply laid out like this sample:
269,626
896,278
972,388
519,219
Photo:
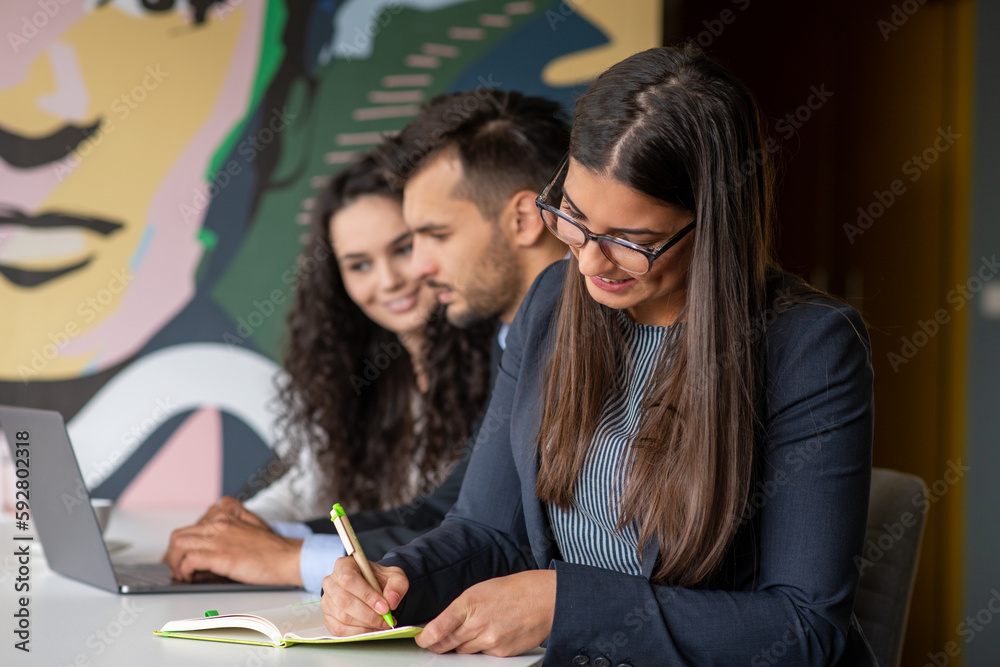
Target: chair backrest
888,563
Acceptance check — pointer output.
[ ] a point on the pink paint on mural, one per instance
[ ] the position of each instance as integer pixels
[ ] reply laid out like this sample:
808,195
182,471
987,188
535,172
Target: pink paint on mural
162,271
192,454
29,31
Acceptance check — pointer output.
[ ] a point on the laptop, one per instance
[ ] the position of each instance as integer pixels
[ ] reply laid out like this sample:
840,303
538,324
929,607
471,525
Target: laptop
68,530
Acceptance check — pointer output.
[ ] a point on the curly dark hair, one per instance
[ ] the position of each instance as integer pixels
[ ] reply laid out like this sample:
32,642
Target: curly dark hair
351,387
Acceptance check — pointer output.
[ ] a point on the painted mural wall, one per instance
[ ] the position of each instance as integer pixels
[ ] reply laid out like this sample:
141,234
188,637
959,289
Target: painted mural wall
158,160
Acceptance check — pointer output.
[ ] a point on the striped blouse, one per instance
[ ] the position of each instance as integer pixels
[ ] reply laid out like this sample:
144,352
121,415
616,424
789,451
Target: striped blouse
586,533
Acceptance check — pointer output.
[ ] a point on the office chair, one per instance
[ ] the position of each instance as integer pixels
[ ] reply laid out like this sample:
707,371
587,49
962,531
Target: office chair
896,513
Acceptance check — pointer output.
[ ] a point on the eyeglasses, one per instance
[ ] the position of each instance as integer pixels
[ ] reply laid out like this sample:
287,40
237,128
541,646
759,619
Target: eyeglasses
628,256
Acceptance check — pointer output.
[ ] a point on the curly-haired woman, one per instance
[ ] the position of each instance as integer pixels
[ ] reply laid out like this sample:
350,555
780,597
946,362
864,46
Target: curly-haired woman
379,400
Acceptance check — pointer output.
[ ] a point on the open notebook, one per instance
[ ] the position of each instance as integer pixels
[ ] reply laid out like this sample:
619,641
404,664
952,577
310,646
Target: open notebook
280,627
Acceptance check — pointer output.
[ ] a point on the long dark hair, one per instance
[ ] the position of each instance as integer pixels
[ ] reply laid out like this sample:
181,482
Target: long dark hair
350,385
671,123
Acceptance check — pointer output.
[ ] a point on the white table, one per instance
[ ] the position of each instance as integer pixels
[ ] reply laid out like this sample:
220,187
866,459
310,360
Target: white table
76,624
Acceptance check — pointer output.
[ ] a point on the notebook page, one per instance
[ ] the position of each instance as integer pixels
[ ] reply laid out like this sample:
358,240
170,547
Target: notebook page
298,623
242,623
234,635
293,618
321,634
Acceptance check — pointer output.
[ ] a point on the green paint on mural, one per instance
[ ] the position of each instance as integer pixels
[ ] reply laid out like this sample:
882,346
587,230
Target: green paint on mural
261,278
272,52
209,240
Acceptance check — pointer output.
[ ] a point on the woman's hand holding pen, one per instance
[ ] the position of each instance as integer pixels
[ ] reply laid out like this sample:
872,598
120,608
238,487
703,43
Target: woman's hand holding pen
503,616
351,606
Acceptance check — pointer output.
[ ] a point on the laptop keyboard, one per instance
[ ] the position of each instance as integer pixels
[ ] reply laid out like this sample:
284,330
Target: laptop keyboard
143,575
147,576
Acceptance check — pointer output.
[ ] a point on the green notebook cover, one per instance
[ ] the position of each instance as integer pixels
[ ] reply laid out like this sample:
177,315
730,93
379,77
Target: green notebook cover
279,627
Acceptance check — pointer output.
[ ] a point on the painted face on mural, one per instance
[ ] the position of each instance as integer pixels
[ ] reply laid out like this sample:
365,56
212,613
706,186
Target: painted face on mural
110,117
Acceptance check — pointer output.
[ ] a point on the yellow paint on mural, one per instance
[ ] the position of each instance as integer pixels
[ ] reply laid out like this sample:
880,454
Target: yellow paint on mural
153,81
631,27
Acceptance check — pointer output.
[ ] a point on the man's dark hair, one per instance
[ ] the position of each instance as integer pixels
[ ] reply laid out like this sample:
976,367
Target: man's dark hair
505,142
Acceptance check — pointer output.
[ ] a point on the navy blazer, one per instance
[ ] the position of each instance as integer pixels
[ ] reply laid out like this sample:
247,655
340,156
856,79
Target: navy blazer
787,588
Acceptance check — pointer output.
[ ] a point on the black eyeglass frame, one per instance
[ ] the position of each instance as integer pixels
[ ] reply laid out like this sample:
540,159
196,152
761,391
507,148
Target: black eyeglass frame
650,255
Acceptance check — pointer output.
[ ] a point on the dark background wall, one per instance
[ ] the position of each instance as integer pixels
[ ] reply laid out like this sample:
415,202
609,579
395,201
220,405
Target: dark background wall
982,504
871,102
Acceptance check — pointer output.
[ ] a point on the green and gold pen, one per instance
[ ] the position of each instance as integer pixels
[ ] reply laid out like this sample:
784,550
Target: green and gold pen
353,548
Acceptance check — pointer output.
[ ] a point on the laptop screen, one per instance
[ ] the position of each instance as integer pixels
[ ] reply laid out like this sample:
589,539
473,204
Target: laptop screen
59,505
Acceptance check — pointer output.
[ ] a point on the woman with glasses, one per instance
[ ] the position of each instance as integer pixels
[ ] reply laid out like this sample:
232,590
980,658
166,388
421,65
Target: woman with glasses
681,469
